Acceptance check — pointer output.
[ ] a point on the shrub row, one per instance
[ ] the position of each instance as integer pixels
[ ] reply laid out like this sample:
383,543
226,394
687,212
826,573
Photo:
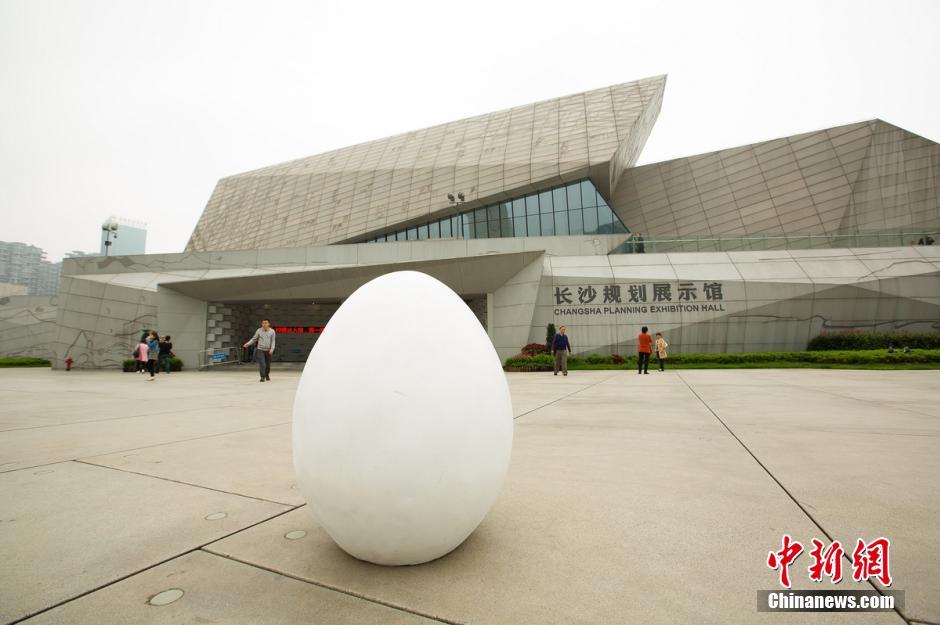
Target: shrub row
545,362
874,340
24,362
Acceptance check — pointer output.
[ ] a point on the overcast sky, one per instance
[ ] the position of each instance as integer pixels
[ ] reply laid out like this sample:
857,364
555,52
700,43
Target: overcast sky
137,109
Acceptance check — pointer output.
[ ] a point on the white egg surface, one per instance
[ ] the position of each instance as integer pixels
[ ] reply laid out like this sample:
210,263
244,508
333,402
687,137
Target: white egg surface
402,422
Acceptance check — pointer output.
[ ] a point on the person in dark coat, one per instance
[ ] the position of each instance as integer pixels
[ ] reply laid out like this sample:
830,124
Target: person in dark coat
561,346
166,353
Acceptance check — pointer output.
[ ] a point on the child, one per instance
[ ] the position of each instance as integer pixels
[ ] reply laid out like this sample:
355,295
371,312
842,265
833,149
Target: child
661,346
142,355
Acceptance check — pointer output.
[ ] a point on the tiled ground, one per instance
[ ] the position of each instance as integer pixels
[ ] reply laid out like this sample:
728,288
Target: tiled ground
630,499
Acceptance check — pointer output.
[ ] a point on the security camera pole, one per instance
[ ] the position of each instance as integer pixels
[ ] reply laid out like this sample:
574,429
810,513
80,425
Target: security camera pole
110,228
456,202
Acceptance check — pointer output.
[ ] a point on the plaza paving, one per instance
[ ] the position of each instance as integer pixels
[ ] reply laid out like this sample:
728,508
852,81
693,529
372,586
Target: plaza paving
629,499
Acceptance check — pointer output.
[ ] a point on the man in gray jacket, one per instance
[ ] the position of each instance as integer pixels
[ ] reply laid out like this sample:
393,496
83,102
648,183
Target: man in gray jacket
263,340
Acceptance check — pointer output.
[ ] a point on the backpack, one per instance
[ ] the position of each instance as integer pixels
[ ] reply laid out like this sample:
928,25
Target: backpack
137,352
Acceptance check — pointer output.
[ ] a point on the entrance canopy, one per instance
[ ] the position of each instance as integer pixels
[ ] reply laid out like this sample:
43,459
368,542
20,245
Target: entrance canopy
469,275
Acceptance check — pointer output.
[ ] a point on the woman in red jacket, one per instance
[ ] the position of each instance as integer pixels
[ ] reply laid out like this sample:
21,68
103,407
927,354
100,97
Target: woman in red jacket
644,347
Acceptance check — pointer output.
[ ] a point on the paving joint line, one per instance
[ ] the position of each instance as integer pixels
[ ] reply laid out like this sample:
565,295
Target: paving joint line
554,401
195,438
147,568
851,397
34,466
167,479
118,451
344,591
780,484
883,404
869,401
106,419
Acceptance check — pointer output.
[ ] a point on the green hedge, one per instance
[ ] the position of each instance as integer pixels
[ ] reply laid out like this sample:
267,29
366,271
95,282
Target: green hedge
130,365
874,340
24,362
545,362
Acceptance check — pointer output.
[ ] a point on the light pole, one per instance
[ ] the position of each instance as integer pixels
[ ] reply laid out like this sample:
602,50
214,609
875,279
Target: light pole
455,203
110,228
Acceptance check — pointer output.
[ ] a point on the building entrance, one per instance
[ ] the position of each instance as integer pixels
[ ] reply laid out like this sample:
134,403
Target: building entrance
298,324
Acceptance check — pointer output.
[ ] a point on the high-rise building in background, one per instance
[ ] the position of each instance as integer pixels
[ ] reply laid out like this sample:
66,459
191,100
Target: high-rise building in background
129,238
45,279
26,265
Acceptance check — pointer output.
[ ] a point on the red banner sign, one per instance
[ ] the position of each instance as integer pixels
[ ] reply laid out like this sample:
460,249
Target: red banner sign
299,329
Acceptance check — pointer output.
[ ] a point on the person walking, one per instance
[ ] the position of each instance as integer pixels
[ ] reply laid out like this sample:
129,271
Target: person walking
166,353
644,348
153,352
263,340
560,348
661,346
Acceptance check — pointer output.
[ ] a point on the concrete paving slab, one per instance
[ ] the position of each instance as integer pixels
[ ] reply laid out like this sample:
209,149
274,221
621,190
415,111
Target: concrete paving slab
627,500
38,446
863,457
54,416
915,391
218,590
257,463
69,528
604,518
544,388
41,397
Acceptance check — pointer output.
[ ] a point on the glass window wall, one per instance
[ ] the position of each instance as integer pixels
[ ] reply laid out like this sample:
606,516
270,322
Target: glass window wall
575,208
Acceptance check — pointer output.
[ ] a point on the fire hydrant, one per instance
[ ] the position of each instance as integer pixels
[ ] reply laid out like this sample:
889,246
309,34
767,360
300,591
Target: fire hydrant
68,363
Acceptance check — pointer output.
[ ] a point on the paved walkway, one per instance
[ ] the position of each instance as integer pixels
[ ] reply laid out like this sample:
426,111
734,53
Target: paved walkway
630,499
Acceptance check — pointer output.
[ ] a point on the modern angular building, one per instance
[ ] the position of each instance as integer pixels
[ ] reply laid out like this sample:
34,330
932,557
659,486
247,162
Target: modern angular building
536,215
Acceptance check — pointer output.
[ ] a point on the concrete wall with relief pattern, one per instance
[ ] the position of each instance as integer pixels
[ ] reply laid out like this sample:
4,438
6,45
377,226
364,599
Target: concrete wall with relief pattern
738,301
703,302
98,324
27,326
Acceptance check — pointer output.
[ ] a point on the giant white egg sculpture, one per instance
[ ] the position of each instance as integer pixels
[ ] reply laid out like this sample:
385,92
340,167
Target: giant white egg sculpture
402,422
